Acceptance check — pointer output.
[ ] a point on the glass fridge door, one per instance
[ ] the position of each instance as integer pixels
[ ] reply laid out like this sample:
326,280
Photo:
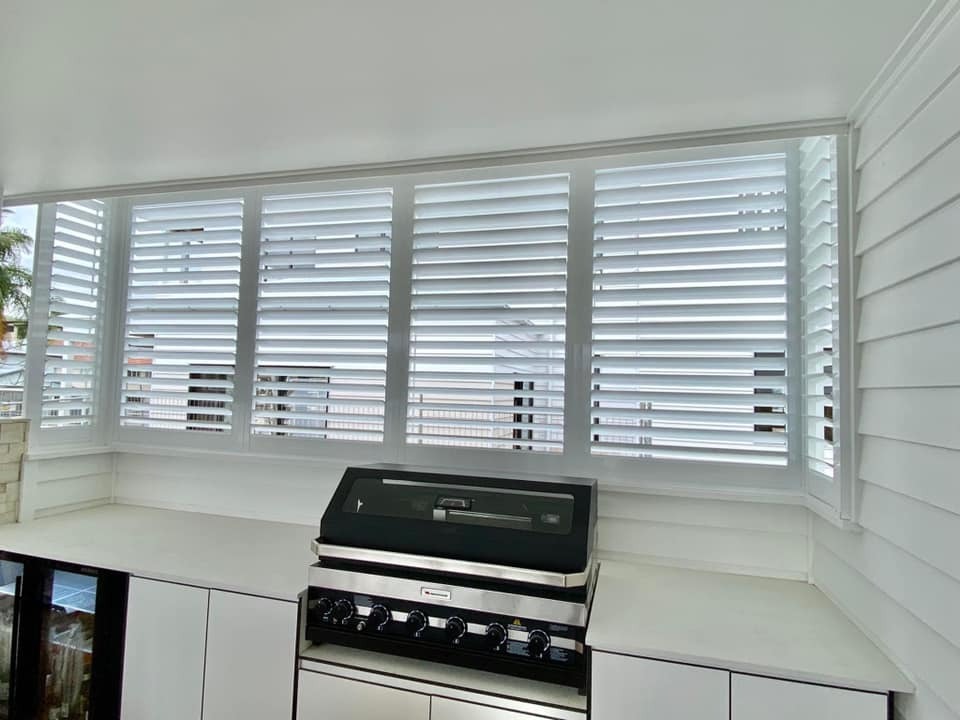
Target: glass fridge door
68,618
11,578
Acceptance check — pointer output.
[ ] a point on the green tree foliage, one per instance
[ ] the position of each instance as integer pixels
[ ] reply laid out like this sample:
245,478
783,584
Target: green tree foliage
15,282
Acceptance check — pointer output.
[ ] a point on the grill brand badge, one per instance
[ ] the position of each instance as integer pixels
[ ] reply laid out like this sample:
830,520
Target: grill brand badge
434,593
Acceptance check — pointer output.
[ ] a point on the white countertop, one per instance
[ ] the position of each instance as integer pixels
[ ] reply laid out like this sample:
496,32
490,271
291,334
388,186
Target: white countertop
779,628
269,559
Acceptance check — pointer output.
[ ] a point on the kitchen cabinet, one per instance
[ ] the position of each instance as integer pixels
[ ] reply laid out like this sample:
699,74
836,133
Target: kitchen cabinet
325,697
759,698
628,687
250,659
445,709
164,651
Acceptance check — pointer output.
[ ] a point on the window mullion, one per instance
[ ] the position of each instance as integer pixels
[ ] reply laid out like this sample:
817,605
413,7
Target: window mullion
576,421
398,341
247,317
796,427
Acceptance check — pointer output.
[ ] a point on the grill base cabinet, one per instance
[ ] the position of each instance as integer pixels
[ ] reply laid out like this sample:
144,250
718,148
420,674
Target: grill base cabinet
324,697
445,709
193,652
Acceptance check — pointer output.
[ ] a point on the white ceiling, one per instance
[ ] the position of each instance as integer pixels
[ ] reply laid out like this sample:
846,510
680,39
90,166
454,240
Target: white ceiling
125,91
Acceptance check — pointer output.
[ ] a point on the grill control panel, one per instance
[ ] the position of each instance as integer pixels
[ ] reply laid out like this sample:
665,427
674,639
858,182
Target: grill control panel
441,632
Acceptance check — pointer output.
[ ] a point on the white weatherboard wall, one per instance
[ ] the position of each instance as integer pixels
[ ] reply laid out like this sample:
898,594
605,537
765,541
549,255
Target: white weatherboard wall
56,485
900,578
724,535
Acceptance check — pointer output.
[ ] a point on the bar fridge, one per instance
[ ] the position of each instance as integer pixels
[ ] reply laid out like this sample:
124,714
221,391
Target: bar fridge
61,640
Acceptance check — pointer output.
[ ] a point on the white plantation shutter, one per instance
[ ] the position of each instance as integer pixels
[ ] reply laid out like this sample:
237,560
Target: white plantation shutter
689,311
820,287
74,324
487,314
322,315
181,319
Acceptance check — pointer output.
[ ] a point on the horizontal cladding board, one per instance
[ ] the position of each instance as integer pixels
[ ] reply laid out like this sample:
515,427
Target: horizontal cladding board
924,415
924,77
67,491
763,552
927,474
923,191
931,243
918,528
916,304
933,126
899,574
907,639
746,516
914,359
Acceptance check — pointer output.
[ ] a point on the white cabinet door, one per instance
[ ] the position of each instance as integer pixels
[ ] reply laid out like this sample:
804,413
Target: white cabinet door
444,709
324,697
629,688
251,649
757,698
163,654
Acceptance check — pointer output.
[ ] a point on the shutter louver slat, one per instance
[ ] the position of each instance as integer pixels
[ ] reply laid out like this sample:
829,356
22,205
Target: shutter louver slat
180,336
488,314
72,353
322,315
820,291
689,312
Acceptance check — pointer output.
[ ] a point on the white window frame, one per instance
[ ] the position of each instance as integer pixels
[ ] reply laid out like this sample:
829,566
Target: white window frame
702,479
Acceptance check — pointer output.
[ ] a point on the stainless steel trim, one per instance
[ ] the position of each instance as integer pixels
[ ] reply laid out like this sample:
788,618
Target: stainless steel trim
459,567
477,488
478,629
467,598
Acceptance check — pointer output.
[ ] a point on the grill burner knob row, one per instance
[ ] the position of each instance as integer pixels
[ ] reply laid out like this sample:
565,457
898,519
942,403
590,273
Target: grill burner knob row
496,636
379,617
538,642
456,628
416,622
342,611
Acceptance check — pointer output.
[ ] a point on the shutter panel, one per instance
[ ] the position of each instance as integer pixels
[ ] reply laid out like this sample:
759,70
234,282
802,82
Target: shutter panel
180,339
689,311
74,324
487,316
820,287
322,315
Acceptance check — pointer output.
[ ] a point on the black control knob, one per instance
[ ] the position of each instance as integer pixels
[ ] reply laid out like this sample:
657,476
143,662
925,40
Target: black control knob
538,642
416,622
455,629
496,636
379,617
323,606
342,611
